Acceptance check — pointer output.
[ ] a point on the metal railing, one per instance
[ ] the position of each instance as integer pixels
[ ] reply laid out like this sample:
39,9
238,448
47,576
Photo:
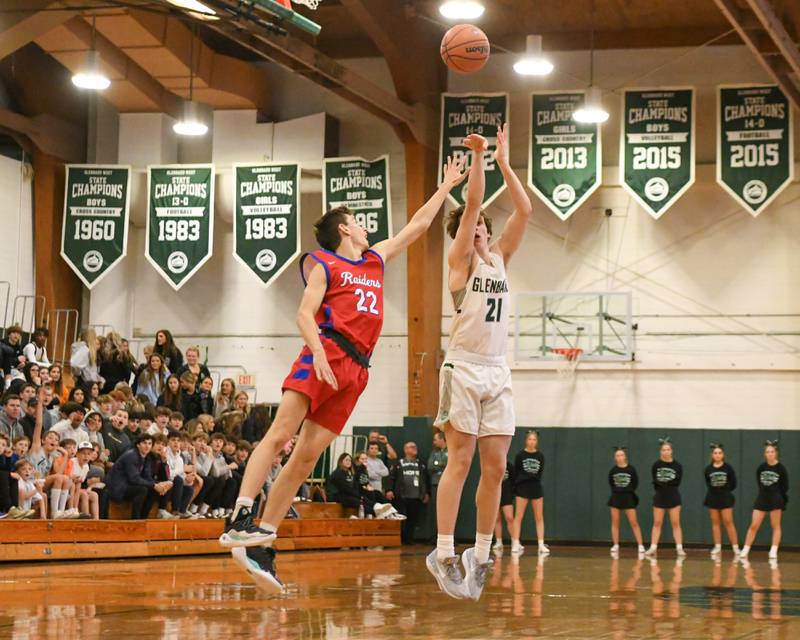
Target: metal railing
63,327
5,297
351,444
28,312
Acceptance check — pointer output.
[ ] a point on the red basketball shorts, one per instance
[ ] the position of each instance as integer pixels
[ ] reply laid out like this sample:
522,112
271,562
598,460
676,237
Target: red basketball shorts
329,408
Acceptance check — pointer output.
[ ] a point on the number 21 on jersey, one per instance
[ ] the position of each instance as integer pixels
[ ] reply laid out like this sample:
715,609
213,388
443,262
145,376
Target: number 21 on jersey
495,310
367,302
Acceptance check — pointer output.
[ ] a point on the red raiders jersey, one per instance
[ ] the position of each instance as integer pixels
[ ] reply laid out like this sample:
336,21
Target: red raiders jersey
353,302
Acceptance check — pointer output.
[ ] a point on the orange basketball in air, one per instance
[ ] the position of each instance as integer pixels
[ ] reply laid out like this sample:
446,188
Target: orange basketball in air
465,48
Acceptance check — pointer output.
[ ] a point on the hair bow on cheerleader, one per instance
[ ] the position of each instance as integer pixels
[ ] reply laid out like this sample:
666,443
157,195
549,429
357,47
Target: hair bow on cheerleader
770,443
716,445
532,432
617,447
665,440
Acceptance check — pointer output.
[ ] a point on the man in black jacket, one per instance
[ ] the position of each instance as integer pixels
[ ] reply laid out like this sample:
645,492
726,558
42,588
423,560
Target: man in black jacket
131,479
11,356
410,491
115,435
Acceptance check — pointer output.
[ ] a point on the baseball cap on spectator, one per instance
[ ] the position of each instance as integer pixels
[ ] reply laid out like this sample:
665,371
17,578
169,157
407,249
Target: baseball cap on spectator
72,407
91,413
85,445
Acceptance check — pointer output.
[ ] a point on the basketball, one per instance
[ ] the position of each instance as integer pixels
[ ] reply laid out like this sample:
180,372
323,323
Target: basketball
465,48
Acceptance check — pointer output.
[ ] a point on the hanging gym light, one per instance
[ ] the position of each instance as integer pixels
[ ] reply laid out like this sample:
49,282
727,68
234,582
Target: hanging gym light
191,122
91,76
533,63
592,111
461,9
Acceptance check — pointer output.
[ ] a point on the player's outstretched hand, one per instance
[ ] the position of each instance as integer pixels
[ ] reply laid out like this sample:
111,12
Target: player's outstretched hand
454,172
476,142
501,150
324,371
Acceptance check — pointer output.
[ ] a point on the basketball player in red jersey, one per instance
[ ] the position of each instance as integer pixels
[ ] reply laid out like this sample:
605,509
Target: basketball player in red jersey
340,319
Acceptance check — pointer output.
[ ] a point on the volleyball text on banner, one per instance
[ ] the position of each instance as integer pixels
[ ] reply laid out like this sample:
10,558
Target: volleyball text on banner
94,234
466,113
657,146
564,163
755,145
180,219
363,187
266,217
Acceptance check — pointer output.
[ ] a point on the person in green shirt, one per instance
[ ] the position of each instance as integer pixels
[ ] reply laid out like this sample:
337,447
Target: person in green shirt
437,462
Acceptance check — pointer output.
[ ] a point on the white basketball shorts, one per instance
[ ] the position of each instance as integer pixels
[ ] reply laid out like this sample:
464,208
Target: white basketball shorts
476,398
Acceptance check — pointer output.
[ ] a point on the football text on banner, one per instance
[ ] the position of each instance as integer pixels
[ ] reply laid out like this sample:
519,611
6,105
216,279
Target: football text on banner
94,234
755,155
180,219
463,114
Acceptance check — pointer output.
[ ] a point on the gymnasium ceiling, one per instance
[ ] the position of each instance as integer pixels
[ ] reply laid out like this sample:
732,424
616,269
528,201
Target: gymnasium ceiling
147,47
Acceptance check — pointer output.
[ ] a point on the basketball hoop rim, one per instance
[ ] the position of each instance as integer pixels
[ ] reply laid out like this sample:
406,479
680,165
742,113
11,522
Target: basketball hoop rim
568,353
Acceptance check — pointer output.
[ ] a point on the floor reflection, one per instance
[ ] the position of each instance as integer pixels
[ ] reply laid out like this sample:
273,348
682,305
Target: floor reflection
575,593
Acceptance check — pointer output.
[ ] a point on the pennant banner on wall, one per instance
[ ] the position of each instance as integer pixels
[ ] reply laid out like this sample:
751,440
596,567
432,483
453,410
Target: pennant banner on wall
266,217
755,155
564,163
466,113
657,146
362,186
94,234
180,219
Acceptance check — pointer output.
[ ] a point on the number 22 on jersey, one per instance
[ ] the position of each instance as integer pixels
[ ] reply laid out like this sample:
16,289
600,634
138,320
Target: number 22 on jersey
367,302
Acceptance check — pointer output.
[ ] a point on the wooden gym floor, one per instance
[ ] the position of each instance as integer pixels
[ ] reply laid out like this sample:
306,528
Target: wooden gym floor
576,593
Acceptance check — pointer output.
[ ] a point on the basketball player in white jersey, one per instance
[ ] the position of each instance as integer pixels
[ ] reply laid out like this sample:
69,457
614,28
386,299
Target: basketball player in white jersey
476,406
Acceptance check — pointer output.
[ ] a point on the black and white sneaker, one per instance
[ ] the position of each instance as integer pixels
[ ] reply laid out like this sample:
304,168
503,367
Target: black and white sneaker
259,562
243,532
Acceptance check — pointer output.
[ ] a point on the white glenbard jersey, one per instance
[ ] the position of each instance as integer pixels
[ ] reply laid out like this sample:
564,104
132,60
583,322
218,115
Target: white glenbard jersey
480,327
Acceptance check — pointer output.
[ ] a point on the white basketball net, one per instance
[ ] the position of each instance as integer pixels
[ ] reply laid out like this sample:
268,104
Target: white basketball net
568,362
311,4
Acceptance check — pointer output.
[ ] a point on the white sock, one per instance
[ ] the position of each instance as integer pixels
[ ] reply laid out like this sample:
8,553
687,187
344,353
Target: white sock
735,548
55,498
679,547
483,543
641,548
745,550
515,542
542,544
717,548
445,547
653,547
242,502
62,502
773,550
615,547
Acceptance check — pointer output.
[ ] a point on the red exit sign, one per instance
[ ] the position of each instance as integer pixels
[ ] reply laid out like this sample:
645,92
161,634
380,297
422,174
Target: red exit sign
246,380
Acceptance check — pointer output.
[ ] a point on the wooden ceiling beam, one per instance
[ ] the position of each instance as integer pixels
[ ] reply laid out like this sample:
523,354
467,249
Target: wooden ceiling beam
52,135
166,101
777,66
218,71
18,28
408,120
777,32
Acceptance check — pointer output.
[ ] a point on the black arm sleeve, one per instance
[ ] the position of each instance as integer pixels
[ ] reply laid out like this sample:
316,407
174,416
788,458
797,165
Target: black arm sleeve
784,483
634,479
731,478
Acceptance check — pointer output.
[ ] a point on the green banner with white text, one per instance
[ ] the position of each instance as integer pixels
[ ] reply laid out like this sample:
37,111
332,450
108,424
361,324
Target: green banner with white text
657,146
363,187
94,234
755,154
565,165
266,218
180,219
463,114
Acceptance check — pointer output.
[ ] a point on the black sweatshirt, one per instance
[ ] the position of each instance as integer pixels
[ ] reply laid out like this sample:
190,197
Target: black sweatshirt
773,479
346,485
720,479
528,467
666,474
623,479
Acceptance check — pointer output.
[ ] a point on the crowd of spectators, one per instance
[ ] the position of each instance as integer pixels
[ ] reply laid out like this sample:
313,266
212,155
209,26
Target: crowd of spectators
110,429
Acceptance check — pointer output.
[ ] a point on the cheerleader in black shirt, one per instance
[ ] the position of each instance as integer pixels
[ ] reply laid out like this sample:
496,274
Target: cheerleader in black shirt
506,508
721,481
528,470
623,481
667,473
773,490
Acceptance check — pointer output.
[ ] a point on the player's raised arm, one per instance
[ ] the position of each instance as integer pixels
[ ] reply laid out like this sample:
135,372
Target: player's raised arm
460,252
309,305
511,238
425,215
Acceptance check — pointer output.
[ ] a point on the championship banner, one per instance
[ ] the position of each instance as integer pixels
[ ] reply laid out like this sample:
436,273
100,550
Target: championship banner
755,146
94,233
180,219
266,217
564,159
466,113
362,186
657,146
